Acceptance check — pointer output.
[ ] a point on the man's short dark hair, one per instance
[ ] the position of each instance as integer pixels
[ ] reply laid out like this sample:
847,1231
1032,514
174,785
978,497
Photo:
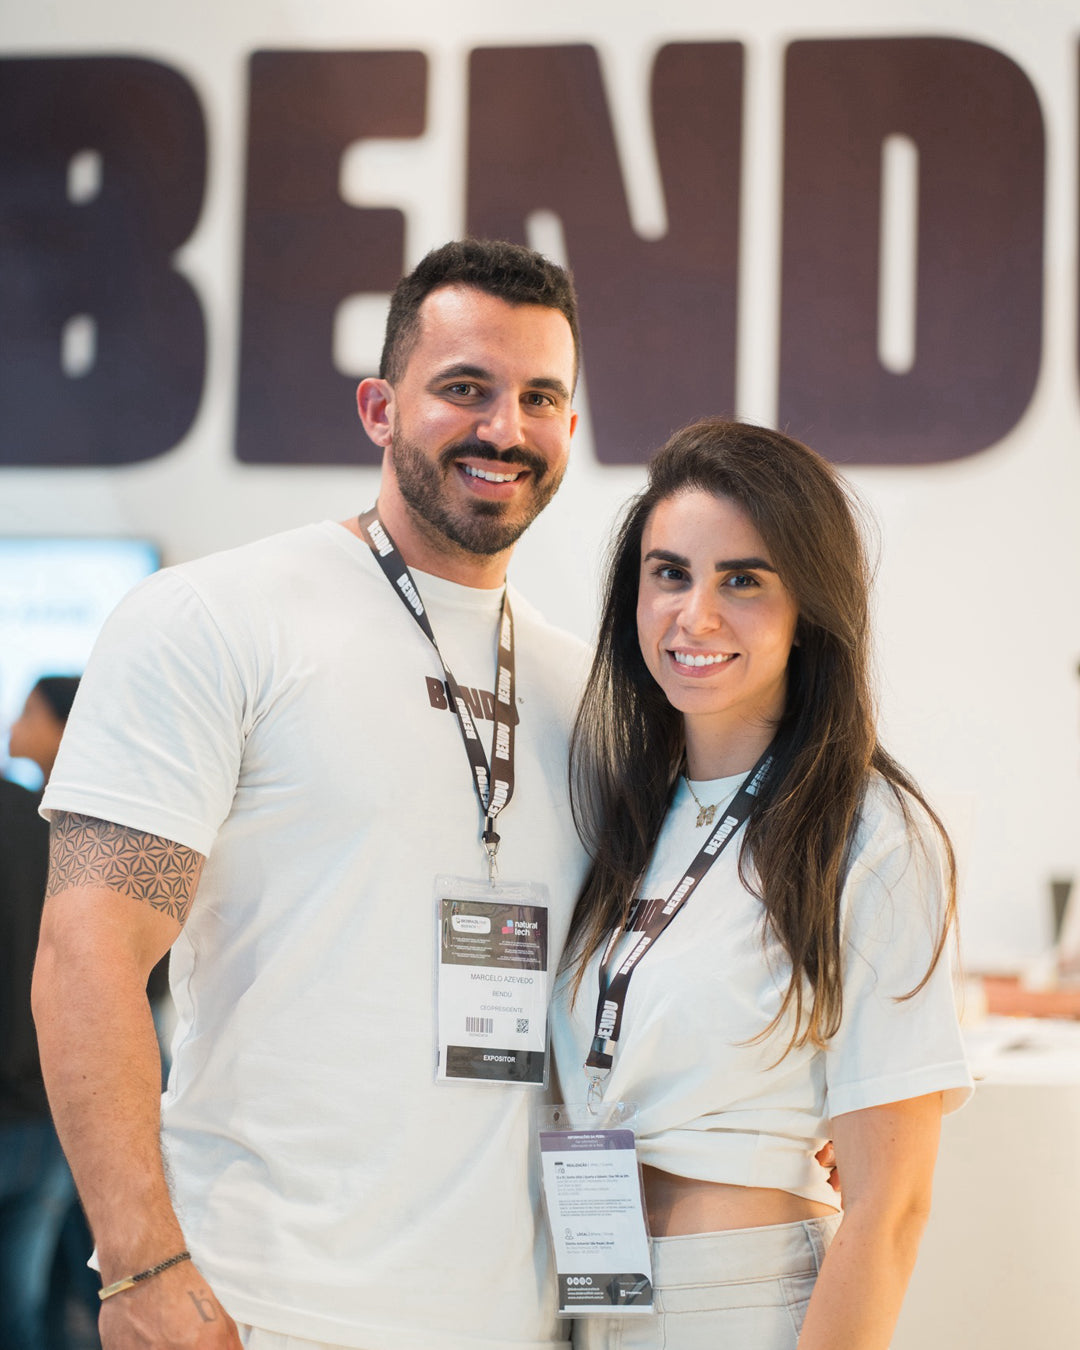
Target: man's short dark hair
510,272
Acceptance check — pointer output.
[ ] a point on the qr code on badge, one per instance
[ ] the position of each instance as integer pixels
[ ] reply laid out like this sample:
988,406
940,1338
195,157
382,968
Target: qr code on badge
523,1026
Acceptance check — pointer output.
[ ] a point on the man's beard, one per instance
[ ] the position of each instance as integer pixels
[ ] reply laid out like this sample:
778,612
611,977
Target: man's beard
479,526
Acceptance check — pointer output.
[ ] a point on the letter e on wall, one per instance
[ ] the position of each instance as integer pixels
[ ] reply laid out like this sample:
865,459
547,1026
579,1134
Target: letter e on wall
306,250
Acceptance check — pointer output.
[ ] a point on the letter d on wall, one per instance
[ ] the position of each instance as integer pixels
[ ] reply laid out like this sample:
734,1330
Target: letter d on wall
976,126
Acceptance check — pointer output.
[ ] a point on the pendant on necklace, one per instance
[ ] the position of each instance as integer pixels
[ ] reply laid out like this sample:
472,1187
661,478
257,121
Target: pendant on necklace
705,814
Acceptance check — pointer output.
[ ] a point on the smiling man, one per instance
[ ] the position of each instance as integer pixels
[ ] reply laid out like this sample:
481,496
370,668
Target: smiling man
475,417
264,771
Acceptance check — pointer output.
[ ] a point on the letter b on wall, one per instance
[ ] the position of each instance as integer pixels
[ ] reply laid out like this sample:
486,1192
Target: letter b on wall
102,343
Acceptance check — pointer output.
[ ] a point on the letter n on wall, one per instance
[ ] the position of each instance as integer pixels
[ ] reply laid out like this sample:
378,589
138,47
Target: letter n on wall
657,316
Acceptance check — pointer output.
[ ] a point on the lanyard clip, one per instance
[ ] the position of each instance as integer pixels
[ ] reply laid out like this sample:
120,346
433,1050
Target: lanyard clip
596,1089
491,848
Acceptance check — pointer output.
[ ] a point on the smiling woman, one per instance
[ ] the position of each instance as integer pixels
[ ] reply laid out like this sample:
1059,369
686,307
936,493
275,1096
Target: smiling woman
789,989
715,625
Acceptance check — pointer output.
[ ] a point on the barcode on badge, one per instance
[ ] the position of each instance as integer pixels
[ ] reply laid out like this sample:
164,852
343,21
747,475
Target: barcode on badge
480,1026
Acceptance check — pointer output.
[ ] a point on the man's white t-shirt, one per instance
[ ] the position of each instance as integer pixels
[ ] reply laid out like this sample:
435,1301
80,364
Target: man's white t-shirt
277,709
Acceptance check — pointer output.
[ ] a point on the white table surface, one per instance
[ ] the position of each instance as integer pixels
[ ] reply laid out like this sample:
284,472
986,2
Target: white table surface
999,1267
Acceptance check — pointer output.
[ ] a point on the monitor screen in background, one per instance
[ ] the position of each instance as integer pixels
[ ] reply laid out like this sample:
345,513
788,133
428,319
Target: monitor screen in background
54,596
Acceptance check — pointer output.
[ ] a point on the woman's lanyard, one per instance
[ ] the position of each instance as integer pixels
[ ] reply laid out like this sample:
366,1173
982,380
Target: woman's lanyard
613,987
494,781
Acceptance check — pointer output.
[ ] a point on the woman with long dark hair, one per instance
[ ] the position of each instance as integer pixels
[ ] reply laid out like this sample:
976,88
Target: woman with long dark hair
786,980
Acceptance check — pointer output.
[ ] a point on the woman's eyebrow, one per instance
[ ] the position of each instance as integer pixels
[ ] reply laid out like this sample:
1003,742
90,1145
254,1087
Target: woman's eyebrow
663,555
744,565
721,565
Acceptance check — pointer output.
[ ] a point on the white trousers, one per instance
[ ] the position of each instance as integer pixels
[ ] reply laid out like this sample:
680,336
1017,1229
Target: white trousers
256,1338
743,1289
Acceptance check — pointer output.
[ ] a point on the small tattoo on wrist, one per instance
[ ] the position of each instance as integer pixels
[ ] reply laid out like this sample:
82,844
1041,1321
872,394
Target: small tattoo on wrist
203,1306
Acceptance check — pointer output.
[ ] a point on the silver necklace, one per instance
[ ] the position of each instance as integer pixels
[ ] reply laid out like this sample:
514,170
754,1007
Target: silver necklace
706,814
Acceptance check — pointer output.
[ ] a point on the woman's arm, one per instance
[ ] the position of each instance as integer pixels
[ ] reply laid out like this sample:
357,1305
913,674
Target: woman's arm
886,1155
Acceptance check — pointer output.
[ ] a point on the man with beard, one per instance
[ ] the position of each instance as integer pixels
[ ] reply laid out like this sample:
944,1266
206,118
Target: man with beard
264,771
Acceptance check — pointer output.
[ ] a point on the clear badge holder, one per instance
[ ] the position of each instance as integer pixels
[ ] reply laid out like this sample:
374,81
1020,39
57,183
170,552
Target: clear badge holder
491,946
595,1209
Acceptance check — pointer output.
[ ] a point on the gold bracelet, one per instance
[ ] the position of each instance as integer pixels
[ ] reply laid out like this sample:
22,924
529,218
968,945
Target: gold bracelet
129,1281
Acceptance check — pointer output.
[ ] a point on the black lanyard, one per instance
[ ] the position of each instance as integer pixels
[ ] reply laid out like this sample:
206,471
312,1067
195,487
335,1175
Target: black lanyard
613,987
494,781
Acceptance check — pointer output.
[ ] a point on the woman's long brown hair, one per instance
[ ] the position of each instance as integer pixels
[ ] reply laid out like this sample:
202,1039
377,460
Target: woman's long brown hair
627,749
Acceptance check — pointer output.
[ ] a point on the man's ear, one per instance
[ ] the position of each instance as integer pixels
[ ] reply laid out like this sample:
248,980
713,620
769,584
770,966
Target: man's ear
374,400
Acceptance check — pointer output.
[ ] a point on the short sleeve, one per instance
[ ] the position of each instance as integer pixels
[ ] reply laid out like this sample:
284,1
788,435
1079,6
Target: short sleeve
155,736
888,1047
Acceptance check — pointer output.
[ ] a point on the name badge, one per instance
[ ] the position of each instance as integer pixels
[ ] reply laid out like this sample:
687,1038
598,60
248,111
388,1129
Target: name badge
596,1218
492,982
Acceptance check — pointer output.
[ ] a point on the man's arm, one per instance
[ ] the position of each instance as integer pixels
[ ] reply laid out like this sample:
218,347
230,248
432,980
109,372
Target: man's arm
116,901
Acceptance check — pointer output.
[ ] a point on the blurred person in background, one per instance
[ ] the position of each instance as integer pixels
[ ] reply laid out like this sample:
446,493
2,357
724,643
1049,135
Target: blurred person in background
69,1298
36,1190
36,732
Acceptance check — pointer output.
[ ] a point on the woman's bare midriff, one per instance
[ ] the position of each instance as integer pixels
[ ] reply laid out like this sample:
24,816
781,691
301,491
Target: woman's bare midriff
681,1205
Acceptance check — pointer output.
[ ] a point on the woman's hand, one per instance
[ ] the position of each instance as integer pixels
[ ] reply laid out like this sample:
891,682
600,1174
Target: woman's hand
826,1157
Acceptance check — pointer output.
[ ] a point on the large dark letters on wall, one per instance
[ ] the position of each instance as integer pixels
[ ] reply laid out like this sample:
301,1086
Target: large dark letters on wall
659,315
305,250
104,256
976,123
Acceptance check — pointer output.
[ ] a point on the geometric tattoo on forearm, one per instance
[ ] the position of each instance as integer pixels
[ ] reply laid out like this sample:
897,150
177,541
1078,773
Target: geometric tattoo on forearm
85,851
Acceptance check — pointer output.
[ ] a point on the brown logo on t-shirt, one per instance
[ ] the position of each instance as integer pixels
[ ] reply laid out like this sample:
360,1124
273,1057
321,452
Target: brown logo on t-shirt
480,702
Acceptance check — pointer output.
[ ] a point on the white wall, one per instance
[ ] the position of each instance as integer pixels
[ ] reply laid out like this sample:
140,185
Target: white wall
979,589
